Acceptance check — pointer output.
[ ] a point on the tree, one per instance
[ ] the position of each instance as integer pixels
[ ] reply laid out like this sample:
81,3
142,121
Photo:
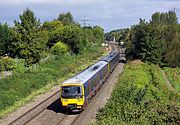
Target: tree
98,34
147,45
172,17
172,51
166,18
71,35
29,40
66,18
88,36
52,25
155,18
5,39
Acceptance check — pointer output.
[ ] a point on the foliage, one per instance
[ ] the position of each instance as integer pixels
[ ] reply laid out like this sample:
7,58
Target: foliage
164,18
98,34
75,37
70,35
148,47
66,18
157,42
173,74
52,25
172,49
121,35
6,64
141,97
59,48
19,66
5,38
22,84
29,41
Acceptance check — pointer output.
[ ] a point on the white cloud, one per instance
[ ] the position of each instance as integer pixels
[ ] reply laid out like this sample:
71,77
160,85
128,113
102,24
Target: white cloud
111,14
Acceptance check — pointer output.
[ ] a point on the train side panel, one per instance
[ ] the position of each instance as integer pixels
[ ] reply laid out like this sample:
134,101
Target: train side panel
95,82
114,62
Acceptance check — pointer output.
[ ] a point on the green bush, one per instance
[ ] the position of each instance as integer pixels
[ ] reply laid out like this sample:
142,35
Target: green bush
6,64
59,48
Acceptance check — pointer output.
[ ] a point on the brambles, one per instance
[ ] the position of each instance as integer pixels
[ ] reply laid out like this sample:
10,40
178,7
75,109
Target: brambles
7,64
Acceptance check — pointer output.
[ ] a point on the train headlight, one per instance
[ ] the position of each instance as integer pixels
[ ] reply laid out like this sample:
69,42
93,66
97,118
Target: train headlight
65,100
79,100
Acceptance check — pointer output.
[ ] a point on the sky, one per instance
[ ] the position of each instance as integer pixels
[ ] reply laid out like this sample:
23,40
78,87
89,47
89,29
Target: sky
109,14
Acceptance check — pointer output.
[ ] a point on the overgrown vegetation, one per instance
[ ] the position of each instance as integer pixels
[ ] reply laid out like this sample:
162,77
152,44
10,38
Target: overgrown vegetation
173,74
141,97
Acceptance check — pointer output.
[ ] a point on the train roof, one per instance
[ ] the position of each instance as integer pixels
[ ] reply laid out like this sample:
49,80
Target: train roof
110,56
85,75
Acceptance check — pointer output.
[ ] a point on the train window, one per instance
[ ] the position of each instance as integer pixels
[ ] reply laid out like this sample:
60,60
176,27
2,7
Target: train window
71,91
87,90
93,82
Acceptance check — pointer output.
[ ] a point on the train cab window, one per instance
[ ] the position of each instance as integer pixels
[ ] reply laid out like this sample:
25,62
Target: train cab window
71,91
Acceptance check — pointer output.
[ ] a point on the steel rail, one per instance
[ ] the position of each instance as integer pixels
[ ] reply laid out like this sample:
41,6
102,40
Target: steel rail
36,110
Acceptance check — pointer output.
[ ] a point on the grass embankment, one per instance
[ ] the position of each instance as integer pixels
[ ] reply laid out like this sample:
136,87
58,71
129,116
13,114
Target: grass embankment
141,97
21,87
173,74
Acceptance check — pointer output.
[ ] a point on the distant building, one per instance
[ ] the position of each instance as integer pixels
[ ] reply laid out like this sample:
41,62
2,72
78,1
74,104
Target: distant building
114,39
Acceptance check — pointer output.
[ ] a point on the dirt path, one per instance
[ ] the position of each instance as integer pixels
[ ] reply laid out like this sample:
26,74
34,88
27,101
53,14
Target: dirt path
167,81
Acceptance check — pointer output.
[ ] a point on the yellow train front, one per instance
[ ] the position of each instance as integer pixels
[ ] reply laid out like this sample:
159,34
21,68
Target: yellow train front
72,96
77,91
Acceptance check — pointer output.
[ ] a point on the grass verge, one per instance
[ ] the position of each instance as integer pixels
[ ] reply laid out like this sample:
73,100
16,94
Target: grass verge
141,97
173,75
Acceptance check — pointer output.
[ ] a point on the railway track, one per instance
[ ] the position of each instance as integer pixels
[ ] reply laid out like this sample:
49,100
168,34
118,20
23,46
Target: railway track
32,113
66,119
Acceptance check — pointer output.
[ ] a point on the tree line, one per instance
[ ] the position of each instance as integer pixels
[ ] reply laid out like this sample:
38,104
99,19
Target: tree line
156,41
31,40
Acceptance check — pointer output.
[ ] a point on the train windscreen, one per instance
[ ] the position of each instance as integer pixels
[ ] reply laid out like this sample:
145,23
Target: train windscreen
71,92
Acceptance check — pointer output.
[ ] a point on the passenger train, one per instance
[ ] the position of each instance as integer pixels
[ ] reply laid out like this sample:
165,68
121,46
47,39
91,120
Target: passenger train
78,90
